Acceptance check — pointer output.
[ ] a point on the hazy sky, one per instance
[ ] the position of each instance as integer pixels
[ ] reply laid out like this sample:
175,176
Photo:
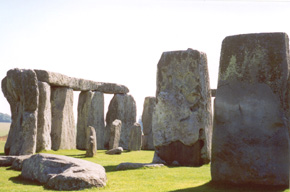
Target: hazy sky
122,41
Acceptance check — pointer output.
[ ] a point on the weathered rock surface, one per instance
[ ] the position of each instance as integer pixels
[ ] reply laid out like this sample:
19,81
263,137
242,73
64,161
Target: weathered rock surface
14,161
63,132
122,107
250,137
115,132
60,80
44,118
182,120
90,113
115,151
135,137
92,142
63,173
126,166
20,87
18,162
6,160
148,109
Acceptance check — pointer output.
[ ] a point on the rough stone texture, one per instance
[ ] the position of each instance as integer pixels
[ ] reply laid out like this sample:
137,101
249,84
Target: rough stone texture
182,120
148,109
6,161
44,118
20,87
63,173
115,151
63,132
135,137
250,137
122,107
90,113
126,166
115,132
60,80
92,142
213,92
18,162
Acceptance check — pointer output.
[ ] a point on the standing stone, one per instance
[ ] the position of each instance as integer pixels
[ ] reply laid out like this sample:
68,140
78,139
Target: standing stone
182,120
122,107
44,118
148,109
20,87
63,131
90,113
135,137
250,137
92,142
115,133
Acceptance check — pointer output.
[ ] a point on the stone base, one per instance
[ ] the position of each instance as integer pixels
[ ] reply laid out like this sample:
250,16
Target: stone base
176,153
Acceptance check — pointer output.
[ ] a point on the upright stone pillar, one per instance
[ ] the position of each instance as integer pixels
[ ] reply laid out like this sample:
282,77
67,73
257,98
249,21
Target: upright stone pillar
115,132
90,113
63,130
182,120
135,142
44,118
20,87
148,109
122,107
250,137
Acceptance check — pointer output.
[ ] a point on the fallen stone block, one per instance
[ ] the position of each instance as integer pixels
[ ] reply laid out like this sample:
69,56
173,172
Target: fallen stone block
115,151
126,166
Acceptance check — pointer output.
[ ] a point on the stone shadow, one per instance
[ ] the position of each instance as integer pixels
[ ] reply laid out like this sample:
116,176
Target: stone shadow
19,180
225,187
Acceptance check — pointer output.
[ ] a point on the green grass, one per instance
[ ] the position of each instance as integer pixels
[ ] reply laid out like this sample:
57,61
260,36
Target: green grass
175,179
4,129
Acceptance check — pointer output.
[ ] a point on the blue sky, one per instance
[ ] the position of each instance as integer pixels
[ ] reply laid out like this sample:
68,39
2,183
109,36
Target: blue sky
122,41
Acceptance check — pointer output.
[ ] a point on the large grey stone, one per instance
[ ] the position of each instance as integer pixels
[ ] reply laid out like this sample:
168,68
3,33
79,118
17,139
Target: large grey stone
250,135
90,113
122,107
182,120
115,151
148,109
126,166
135,142
44,118
60,80
115,132
63,131
20,87
92,142
63,173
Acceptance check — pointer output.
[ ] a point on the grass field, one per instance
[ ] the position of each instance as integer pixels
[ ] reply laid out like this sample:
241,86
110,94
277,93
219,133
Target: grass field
4,129
173,179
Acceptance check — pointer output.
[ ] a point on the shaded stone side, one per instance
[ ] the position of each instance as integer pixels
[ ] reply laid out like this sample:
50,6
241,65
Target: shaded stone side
63,131
92,142
135,142
44,118
90,113
183,109
115,132
250,137
148,109
20,87
122,107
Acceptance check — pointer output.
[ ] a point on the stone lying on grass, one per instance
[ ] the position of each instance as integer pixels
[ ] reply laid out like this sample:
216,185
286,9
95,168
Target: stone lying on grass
63,173
14,161
115,151
18,162
125,166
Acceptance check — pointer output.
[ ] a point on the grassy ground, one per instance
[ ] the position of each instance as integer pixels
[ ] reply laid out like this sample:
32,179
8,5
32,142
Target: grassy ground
4,129
173,179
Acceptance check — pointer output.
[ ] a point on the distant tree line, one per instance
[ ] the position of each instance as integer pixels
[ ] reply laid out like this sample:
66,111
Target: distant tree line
5,118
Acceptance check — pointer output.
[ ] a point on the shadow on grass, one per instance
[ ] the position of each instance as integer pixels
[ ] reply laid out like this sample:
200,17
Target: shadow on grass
217,187
19,180
110,168
81,156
